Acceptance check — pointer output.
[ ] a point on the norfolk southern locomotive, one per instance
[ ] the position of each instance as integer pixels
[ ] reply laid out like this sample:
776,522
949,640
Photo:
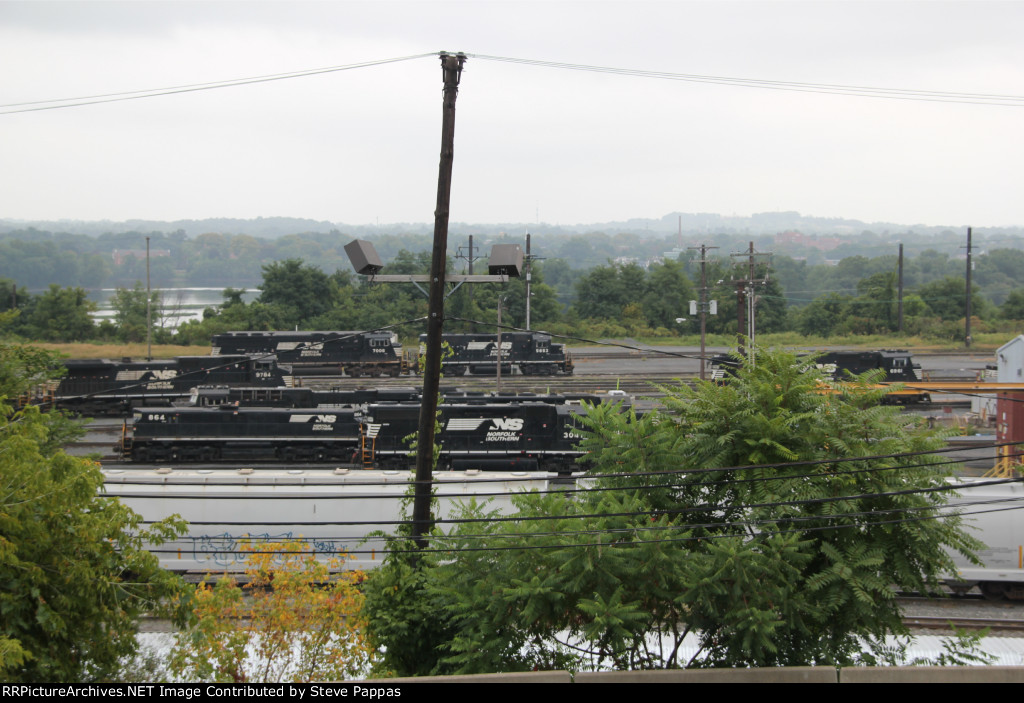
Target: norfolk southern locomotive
380,353
106,387
492,436
301,397
897,364
533,352
354,353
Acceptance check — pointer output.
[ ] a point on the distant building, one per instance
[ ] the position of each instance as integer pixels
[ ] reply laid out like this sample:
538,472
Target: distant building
799,239
121,255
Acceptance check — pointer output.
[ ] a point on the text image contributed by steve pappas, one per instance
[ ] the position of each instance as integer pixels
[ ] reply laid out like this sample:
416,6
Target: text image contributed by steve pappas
164,691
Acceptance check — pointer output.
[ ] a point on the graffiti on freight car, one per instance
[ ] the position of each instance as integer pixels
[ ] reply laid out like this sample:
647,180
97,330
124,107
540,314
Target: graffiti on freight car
227,549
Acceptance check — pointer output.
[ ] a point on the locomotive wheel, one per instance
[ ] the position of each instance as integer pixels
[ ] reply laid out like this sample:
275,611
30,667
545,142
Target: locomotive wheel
355,372
321,454
286,454
394,371
174,454
140,455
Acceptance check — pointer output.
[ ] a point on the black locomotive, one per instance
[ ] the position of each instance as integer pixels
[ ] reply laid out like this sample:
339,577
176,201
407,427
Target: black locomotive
380,353
353,353
301,397
106,387
226,432
533,352
897,364
490,437
520,436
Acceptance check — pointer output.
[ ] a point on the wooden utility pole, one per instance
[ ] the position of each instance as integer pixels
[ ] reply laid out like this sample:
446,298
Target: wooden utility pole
899,297
498,346
149,313
451,66
526,260
746,302
703,296
967,312
470,256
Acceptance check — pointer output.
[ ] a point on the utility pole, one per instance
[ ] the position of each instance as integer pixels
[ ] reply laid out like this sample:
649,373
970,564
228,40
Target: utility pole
149,318
470,256
526,259
703,297
746,301
899,296
967,312
498,348
451,66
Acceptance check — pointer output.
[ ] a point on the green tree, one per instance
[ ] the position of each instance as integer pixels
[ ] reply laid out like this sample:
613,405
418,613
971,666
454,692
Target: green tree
764,517
667,294
1013,308
300,291
130,314
62,315
605,291
74,566
292,620
822,315
947,299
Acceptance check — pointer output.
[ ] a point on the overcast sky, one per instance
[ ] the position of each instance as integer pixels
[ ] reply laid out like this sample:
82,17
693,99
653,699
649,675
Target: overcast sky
532,143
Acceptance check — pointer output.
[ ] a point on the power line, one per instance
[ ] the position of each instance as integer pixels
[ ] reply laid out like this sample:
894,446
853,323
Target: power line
632,530
58,103
730,480
994,99
821,88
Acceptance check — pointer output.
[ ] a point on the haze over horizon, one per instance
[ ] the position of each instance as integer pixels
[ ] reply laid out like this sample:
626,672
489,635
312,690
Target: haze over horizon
751,111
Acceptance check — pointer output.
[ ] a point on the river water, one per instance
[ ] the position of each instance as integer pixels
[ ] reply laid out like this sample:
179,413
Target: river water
180,304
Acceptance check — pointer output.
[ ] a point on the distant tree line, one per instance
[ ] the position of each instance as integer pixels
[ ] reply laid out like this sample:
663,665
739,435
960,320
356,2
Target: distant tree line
618,297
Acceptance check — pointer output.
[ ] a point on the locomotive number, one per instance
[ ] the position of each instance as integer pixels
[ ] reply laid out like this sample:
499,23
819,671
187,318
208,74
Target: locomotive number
571,435
157,417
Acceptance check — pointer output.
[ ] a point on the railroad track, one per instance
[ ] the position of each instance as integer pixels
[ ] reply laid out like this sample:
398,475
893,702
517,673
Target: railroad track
633,383
965,612
947,624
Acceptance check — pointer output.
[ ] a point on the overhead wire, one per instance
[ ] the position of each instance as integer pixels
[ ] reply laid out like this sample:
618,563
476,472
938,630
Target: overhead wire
59,103
996,99
957,97
956,510
540,476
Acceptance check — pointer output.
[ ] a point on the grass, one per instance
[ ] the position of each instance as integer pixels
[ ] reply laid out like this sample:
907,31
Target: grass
82,350
984,342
